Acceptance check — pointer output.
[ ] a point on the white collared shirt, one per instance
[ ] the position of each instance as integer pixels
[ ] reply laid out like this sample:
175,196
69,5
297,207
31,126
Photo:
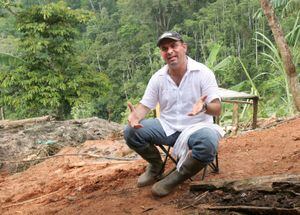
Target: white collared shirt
177,101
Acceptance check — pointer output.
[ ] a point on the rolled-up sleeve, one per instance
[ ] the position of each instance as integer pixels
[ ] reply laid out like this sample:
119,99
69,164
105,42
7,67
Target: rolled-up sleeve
150,97
210,87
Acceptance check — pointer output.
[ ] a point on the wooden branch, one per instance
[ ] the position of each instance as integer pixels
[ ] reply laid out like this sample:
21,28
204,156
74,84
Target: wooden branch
5,124
63,155
146,209
237,101
31,200
196,201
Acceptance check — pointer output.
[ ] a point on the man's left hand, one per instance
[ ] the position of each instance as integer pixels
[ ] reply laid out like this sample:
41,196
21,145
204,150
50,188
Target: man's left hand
198,107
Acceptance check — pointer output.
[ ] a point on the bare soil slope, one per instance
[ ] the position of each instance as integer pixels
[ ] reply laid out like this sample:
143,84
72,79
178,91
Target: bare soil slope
87,183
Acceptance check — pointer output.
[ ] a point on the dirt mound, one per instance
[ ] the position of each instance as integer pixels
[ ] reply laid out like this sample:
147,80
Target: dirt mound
99,177
33,141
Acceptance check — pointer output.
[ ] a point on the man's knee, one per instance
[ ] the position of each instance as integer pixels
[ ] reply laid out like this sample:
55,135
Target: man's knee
127,132
151,132
204,145
204,152
130,136
138,137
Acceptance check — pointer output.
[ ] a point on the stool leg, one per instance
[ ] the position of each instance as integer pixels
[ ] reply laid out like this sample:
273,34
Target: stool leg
204,172
167,152
213,166
217,162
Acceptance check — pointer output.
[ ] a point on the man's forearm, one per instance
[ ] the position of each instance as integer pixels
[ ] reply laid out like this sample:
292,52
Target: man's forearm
142,111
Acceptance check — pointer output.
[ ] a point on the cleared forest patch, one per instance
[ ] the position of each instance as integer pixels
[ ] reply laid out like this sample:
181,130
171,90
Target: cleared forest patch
101,179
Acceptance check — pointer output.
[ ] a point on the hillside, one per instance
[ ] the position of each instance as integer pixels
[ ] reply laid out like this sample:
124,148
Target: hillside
99,176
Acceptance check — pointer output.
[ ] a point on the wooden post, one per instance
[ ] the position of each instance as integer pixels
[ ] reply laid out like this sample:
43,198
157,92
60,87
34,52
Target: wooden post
255,108
235,118
157,110
2,113
217,120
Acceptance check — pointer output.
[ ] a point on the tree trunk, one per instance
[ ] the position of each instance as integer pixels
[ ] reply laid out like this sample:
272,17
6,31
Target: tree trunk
284,51
1,113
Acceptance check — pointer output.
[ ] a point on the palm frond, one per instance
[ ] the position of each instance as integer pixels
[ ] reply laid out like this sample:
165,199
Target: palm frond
210,61
9,59
223,64
255,91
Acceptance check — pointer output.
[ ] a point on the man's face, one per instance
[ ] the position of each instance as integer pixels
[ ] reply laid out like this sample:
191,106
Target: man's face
173,52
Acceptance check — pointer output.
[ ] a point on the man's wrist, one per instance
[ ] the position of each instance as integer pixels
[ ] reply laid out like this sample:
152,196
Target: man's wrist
204,108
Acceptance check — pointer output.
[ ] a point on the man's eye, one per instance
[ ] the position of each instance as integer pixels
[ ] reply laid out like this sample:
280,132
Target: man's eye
174,45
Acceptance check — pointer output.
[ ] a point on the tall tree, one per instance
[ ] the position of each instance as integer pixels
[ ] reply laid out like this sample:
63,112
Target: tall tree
284,50
50,79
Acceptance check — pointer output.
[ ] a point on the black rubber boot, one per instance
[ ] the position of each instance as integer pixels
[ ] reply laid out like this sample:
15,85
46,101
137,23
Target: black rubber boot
189,168
155,168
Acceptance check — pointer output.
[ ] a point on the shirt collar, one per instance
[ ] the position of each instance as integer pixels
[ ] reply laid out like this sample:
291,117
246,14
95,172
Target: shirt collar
192,65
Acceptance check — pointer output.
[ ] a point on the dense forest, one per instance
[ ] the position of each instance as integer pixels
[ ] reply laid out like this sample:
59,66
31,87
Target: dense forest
83,58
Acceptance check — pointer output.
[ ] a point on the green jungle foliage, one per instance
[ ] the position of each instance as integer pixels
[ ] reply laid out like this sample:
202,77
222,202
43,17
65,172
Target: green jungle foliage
84,58
50,78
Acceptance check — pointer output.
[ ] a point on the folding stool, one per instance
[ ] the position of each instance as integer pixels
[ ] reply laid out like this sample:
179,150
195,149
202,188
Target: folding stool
213,165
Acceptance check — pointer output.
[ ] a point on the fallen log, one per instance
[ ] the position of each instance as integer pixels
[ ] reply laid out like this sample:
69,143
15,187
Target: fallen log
257,210
8,124
277,194
263,183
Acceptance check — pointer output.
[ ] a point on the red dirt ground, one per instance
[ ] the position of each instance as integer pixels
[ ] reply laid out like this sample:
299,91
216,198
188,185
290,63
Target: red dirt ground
89,185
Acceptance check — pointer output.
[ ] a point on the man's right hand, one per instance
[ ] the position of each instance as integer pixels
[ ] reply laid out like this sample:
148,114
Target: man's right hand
133,118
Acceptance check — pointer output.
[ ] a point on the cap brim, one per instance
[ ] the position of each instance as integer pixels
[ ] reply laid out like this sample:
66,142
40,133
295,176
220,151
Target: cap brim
172,38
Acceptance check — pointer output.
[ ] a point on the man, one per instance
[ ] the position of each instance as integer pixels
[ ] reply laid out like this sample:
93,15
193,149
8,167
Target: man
187,93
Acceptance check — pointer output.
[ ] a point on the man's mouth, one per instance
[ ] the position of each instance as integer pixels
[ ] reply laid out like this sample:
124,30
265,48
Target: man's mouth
172,58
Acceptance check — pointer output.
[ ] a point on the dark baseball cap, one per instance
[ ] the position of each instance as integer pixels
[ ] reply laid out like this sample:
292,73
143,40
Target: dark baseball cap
169,35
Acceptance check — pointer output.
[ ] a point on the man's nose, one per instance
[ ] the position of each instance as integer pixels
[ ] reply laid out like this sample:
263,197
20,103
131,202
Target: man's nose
170,50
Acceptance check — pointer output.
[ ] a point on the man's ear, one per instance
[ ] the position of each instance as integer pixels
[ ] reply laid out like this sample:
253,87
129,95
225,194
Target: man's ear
185,47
